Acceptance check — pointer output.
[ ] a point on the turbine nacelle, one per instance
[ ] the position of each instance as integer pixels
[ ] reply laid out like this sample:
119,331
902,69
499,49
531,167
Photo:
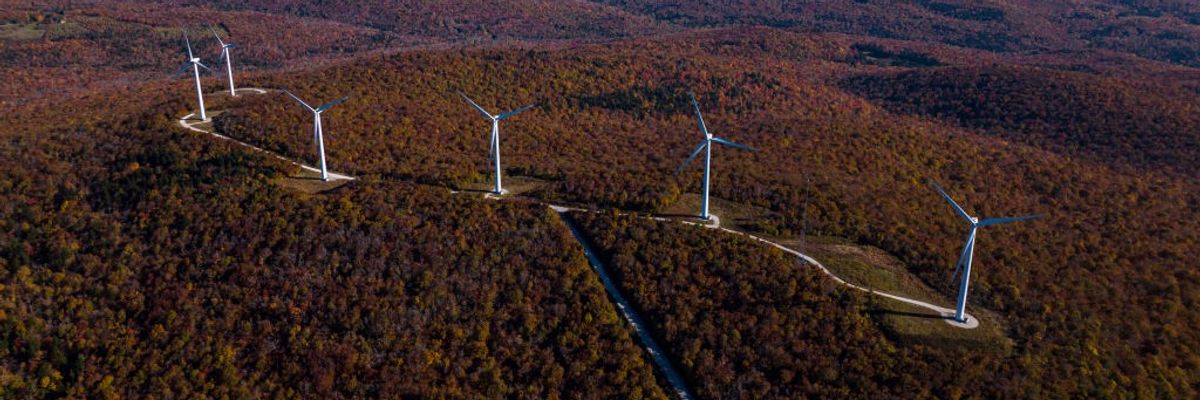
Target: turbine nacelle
318,131
709,139
495,136
490,116
320,109
194,63
222,42
968,252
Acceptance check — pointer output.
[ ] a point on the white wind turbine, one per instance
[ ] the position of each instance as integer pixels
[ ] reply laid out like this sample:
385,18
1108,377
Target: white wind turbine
495,146
706,145
195,64
318,133
225,47
968,253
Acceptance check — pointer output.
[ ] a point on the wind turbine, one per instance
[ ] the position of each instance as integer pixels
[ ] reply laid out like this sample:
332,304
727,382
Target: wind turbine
968,253
706,145
495,146
318,133
195,63
225,55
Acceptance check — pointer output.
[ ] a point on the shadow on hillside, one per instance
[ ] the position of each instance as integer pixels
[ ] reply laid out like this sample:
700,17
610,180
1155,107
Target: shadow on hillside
929,315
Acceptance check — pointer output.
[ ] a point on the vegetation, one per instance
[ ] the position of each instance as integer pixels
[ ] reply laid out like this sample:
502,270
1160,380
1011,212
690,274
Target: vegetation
614,124
139,259
147,261
747,321
1067,112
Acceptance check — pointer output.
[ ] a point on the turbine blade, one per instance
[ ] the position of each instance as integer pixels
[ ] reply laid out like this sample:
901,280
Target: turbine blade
183,68
957,269
957,208
694,154
477,107
188,42
203,66
214,32
998,221
732,144
301,101
492,144
224,53
331,104
962,258
231,46
696,106
515,112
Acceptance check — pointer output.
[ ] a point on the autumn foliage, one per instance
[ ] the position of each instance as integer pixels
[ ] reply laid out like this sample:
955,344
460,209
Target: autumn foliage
138,259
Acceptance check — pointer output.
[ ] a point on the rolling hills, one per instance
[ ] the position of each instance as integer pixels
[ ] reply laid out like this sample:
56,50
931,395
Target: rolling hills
138,259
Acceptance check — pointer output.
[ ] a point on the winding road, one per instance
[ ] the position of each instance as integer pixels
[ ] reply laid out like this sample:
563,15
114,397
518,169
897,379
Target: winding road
188,121
663,363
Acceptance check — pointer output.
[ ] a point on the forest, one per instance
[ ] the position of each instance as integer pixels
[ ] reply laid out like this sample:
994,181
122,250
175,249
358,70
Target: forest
1139,124
748,321
613,125
138,259
146,261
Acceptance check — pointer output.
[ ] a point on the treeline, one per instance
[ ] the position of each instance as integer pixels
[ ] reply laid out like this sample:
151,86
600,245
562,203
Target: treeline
140,260
612,126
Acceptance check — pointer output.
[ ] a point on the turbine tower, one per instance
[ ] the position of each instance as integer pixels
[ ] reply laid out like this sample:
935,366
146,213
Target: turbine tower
195,64
225,55
968,253
706,145
318,133
495,146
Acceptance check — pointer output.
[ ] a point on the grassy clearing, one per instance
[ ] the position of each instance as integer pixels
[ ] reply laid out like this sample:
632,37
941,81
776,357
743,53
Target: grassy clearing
309,182
513,185
733,215
868,266
20,31
67,30
871,267
909,324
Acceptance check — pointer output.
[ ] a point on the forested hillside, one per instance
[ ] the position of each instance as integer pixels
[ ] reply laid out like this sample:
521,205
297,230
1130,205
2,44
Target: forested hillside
746,321
1072,113
140,259
470,19
613,124
55,52
1159,30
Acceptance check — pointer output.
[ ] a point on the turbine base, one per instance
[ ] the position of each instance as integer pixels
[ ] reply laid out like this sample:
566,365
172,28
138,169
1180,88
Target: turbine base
968,321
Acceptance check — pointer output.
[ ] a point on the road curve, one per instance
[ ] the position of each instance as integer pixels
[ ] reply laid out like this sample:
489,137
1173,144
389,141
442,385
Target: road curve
187,122
971,322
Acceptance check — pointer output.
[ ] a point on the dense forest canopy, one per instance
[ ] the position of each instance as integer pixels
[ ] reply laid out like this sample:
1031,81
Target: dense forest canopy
140,259
169,264
638,128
